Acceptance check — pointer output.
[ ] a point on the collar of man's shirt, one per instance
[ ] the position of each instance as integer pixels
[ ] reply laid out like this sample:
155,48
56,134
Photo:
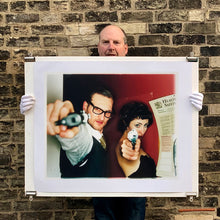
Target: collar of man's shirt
96,134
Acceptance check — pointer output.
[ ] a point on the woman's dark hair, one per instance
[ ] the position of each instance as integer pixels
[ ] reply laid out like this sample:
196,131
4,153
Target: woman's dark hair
133,110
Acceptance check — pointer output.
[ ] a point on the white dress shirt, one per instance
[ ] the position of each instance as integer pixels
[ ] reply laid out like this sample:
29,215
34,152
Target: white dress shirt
78,147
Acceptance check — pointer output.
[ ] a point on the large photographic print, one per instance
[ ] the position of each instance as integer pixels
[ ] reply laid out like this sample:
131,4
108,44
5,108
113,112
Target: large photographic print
126,88
167,164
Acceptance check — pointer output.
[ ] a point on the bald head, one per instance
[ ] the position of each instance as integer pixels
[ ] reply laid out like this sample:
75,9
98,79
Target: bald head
112,42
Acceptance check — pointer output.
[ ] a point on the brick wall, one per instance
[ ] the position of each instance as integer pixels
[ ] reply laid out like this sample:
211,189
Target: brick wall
70,27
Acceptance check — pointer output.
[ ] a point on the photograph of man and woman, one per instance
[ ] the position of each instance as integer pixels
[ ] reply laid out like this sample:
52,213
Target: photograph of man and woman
115,134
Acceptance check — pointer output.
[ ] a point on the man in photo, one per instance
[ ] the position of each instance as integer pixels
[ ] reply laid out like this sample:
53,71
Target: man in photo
83,151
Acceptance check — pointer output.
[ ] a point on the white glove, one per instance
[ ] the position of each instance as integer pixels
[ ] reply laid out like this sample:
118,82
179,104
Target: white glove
196,100
27,102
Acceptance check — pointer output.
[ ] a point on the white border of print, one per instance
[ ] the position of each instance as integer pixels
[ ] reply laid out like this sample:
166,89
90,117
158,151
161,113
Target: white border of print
36,180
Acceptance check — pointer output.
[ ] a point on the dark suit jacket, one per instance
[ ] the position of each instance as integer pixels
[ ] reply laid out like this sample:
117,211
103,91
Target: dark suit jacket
93,165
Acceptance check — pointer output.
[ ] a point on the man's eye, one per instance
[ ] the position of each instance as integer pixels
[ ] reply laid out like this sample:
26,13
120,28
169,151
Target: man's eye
116,42
97,109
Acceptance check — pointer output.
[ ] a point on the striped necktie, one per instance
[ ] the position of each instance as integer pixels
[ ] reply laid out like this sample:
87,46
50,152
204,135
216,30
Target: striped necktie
103,143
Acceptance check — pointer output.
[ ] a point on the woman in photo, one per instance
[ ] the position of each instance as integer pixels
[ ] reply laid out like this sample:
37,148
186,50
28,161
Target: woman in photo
134,120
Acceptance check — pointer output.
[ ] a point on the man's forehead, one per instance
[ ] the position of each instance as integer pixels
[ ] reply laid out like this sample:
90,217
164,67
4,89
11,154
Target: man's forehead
99,99
111,32
97,96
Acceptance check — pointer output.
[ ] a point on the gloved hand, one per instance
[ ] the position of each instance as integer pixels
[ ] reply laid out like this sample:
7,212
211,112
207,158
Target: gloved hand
196,100
27,102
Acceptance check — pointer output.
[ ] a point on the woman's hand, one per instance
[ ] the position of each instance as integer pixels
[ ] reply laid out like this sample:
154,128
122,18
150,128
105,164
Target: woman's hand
127,150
